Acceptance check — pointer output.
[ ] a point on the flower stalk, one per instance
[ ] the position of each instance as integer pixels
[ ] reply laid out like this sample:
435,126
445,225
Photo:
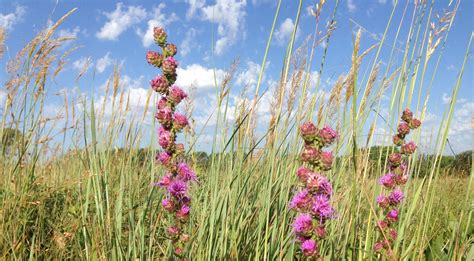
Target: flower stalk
179,174
312,201
393,182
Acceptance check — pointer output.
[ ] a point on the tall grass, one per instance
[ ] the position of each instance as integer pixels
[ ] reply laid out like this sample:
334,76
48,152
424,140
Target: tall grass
92,200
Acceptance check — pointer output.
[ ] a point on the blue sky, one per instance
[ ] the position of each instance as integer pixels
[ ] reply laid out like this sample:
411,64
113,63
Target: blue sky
113,32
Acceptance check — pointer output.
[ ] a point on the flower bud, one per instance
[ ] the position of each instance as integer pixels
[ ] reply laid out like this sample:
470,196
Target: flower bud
381,224
310,154
183,213
154,58
184,238
397,140
169,66
403,129
378,247
160,84
179,121
179,148
393,234
415,123
303,174
392,215
308,132
395,159
168,204
383,201
159,35
321,231
396,197
166,139
303,224
309,247
165,181
176,95
407,115
326,160
170,50
164,158
409,148
162,103
327,135
388,180
164,116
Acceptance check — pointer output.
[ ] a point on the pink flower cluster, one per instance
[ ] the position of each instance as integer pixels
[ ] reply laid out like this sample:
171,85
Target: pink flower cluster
312,202
392,182
179,174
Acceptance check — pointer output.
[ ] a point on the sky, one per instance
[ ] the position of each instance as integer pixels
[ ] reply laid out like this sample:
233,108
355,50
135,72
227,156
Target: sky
211,34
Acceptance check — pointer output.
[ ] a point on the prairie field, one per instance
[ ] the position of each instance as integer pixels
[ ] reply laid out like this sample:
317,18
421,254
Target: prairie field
83,179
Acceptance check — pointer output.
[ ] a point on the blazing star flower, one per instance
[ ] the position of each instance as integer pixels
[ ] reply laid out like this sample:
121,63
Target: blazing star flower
409,148
303,174
308,131
396,197
169,66
164,116
162,103
395,159
322,208
159,35
383,201
407,115
397,140
168,204
154,58
164,158
177,188
160,84
378,247
170,50
310,154
382,224
309,247
415,123
403,129
185,172
180,121
392,215
183,212
165,181
320,231
303,224
165,139
327,135
300,200
326,160
388,180
176,95
392,234
173,231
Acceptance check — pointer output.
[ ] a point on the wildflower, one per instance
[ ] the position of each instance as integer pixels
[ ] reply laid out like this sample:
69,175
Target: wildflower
160,84
303,174
164,116
415,123
403,129
308,132
388,180
309,247
397,140
183,212
407,115
162,103
169,66
165,180
164,158
382,224
378,247
409,148
392,215
320,231
383,201
310,154
177,188
395,159
173,231
300,200
176,95
165,139
170,50
326,160
327,135
159,35
392,234
321,207
168,204
303,224
154,58
185,172
396,197
180,121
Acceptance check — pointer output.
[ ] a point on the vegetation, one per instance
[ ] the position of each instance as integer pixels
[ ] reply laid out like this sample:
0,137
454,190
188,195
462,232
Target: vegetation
69,192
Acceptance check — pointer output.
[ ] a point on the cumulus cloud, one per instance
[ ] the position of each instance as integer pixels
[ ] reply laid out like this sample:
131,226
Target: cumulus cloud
69,33
103,63
194,5
159,18
7,21
189,42
82,63
199,77
229,16
284,31
122,18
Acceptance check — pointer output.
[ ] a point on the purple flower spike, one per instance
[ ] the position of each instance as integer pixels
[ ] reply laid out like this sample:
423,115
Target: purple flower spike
327,135
388,180
396,197
409,148
309,247
301,200
303,225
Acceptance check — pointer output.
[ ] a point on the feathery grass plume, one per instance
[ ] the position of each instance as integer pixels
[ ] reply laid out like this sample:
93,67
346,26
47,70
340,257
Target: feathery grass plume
179,174
312,202
2,41
393,182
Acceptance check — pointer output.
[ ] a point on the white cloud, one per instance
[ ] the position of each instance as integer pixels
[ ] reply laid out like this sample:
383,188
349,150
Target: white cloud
351,6
103,63
229,16
68,33
120,20
8,20
283,33
194,5
82,63
249,77
382,1
159,19
189,42
200,77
